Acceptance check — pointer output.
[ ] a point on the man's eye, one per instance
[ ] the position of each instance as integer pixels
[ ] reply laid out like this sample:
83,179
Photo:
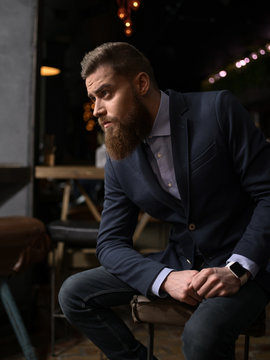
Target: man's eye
104,93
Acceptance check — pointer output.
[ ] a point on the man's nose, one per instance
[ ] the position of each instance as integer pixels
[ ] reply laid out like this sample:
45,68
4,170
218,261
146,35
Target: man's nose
98,109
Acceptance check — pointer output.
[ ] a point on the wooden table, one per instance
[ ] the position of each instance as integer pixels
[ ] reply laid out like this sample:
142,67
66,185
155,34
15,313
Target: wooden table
69,174
69,171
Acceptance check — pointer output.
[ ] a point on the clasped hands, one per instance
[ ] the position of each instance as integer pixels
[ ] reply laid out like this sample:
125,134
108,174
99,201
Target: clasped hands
192,286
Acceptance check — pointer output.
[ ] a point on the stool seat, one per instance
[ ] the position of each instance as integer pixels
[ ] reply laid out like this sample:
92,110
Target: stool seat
160,311
23,242
74,233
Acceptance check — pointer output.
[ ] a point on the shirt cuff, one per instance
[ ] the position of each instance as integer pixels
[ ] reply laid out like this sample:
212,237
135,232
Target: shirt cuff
158,282
248,264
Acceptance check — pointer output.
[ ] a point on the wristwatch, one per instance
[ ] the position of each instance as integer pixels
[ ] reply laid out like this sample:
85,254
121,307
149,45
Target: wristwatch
238,271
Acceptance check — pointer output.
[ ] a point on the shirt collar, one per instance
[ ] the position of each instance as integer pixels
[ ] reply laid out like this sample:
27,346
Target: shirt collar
161,125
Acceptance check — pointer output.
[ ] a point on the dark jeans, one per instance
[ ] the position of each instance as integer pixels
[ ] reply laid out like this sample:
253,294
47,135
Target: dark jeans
86,299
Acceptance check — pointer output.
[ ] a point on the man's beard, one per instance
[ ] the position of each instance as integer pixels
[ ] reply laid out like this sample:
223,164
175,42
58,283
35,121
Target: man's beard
123,137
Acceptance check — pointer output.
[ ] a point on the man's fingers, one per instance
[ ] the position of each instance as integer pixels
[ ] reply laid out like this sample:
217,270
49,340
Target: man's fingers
198,281
193,294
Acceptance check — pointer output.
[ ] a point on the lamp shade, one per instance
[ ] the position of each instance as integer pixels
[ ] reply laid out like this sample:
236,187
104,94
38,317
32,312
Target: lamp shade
49,71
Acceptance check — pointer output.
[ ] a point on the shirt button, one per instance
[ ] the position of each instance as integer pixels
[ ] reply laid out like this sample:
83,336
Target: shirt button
159,155
191,227
169,184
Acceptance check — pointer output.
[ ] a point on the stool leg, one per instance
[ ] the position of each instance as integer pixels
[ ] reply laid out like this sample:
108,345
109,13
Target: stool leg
150,349
246,351
16,322
53,302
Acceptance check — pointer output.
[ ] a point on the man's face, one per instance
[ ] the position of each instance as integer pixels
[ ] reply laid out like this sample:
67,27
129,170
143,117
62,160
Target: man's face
121,114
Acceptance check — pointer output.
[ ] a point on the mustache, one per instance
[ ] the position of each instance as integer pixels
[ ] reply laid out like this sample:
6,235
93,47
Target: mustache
104,119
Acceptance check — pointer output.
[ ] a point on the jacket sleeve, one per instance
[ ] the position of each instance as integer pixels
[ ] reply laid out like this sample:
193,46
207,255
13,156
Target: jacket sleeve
114,245
250,153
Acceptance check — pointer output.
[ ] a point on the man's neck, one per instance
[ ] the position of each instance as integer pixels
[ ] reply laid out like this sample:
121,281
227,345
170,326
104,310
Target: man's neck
152,102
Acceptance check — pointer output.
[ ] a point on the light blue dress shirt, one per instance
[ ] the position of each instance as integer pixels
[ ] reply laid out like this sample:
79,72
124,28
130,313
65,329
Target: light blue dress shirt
161,160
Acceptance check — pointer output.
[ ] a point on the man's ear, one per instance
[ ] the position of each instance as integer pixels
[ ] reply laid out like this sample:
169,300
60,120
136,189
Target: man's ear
142,83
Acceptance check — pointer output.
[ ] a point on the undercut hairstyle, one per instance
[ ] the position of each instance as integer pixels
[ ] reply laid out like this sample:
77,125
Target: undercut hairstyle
124,59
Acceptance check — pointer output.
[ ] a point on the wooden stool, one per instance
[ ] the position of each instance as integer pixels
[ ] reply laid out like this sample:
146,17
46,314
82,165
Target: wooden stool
23,242
172,312
67,235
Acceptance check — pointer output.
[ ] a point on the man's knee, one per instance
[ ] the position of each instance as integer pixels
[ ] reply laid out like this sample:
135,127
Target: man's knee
69,293
78,289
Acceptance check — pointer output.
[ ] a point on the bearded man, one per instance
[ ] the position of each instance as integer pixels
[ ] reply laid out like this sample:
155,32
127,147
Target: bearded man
193,160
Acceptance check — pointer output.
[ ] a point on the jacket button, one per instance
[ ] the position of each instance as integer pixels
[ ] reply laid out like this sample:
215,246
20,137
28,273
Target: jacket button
191,227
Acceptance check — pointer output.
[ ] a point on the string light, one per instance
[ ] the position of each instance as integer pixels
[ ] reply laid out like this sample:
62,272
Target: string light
124,13
255,55
222,73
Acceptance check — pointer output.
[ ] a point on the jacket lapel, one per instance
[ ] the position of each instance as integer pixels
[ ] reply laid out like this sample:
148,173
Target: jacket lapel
180,146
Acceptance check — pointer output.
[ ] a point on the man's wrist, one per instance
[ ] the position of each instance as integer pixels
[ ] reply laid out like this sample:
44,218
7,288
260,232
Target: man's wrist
248,264
238,271
156,288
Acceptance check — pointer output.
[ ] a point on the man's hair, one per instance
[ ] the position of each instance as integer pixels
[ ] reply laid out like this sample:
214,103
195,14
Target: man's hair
124,59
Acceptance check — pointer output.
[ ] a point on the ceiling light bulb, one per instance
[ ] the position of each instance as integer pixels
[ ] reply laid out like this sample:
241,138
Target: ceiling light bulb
135,4
122,13
128,31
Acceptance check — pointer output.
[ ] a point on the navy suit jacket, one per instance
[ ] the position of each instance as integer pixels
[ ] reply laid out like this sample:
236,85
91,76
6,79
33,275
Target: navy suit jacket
222,167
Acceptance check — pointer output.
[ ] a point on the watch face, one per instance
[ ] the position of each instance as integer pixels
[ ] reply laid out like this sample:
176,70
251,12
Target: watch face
238,269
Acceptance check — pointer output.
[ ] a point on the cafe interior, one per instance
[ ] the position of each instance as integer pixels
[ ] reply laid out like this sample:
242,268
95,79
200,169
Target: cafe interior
53,153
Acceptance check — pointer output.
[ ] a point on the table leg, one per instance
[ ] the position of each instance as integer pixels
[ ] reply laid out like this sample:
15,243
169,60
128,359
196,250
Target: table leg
91,206
140,226
65,201
64,213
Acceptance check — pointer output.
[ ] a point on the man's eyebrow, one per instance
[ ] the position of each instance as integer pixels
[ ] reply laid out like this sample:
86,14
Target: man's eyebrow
102,87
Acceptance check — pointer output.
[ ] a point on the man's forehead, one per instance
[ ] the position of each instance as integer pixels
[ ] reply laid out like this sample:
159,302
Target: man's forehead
103,74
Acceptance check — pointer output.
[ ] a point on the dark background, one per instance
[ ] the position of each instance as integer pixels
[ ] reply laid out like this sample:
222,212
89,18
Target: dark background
186,41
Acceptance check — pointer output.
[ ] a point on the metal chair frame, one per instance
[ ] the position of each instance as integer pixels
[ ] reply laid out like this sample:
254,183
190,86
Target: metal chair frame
16,321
